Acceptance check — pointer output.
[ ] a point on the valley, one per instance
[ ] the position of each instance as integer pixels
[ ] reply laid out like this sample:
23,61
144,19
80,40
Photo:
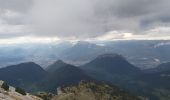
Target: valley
142,53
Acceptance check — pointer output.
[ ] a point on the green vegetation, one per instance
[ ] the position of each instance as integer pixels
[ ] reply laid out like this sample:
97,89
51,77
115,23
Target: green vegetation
21,91
5,86
93,91
45,96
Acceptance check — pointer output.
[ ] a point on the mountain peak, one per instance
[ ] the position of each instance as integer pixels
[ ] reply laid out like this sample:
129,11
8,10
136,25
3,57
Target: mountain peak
113,63
59,62
29,63
26,66
16,75
65,75
56,65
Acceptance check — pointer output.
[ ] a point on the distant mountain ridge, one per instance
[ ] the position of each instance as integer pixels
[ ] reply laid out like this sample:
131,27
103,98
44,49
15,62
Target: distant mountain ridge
163,67
159,76
56,65
82,51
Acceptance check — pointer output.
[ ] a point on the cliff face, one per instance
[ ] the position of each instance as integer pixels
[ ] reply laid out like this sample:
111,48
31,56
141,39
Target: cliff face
11,94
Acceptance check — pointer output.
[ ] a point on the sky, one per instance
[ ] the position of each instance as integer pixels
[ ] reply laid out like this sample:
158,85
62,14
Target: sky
49,20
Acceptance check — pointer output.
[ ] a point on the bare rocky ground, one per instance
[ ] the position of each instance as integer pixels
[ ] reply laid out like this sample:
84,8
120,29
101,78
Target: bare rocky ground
12,95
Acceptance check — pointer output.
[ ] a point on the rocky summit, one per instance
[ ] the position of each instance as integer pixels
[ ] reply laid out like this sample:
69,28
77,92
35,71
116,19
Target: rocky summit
9,93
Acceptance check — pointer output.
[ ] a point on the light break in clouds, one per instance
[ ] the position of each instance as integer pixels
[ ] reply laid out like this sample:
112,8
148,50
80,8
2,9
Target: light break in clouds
83,19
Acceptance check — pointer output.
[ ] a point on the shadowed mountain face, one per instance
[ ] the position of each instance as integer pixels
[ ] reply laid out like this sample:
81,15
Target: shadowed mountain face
158,77
22,73
112,63
58,64
110,67
65,75
154,83
115,69
32,77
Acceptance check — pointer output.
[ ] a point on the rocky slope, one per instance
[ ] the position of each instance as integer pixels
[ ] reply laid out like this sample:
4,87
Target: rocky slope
11,94
93,91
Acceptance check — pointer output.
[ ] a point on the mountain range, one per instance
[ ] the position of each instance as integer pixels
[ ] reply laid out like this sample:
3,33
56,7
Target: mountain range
110,68
143,54
84,90
64,75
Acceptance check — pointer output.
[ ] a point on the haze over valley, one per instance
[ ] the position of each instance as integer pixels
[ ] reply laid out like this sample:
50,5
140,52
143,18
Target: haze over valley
142,53
84,50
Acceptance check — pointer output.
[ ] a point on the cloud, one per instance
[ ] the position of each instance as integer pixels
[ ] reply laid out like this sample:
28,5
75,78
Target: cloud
159,33
89,18
64,18
13,18
28,39
16,5
83,18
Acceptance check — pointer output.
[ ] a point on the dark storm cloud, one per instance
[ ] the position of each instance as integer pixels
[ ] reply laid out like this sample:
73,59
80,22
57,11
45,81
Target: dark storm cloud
135,8
142,12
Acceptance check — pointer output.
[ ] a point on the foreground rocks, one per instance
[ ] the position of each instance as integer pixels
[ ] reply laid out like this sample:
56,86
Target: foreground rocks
11,94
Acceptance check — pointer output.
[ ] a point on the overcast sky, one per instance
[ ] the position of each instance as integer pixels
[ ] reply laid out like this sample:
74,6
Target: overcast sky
84,19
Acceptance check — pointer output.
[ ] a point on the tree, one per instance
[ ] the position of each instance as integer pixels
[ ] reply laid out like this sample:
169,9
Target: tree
21,91
5,86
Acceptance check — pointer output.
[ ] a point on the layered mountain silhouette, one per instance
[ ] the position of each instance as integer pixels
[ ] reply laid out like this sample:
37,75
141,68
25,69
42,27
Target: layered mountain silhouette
33,77
159,77
61,74
82,51
56,65
110,67
154,83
